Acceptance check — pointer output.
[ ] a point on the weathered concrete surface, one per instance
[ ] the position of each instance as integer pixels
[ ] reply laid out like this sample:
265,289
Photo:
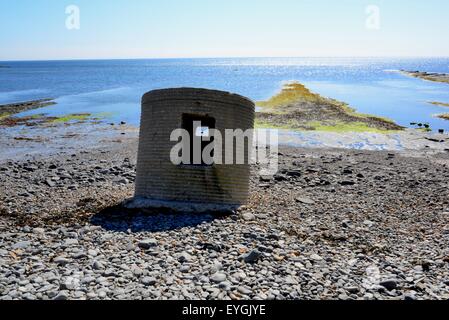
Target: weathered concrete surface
159,179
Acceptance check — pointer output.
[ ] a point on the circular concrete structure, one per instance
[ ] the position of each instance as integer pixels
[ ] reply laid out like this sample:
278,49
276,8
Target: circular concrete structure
190,187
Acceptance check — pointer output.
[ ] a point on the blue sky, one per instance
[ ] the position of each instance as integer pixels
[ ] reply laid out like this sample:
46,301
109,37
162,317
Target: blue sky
36,29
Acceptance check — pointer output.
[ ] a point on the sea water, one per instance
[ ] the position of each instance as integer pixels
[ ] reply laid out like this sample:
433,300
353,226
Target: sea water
113,88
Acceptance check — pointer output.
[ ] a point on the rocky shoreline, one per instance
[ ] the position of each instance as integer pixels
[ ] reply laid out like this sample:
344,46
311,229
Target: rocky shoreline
429,76
14,108
440,104
332,224
297,108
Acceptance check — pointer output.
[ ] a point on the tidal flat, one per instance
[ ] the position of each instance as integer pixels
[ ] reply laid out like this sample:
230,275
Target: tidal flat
298,108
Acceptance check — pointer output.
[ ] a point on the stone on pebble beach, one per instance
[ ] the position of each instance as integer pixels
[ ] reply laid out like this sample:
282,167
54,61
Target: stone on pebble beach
148,243
389,284
218,277
252,257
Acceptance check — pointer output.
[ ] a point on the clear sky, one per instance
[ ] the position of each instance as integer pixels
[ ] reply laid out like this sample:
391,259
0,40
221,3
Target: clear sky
36,29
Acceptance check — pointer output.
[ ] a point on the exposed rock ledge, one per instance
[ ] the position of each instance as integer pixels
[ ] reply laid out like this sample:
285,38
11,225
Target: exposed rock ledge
430,76
297,108
14,108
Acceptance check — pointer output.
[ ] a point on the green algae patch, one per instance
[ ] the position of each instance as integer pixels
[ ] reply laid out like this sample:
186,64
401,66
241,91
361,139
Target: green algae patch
291,93
8,120
38,116
338,127
347,127
261,124
82,117
298,108
72,118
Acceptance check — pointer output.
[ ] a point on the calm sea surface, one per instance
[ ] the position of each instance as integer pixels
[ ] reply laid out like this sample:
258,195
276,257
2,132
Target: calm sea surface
114,87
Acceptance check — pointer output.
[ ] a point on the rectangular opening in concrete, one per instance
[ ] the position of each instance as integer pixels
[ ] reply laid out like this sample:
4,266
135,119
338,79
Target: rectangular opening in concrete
198,126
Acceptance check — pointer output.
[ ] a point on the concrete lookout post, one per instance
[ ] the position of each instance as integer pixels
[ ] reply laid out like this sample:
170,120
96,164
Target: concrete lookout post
195,186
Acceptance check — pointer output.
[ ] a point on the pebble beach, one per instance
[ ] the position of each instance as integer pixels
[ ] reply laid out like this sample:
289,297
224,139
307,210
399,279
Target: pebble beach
331,224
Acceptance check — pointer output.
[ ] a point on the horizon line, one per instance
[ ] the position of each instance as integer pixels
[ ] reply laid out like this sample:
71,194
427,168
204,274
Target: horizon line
222,57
